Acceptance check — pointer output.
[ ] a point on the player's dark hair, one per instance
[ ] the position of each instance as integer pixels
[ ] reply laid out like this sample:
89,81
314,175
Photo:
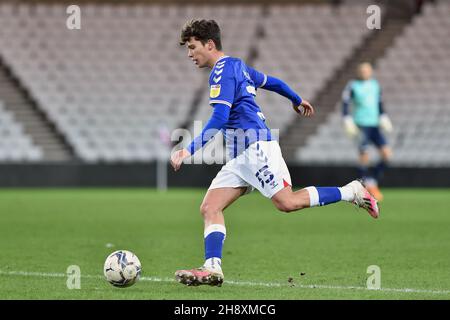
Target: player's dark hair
201,30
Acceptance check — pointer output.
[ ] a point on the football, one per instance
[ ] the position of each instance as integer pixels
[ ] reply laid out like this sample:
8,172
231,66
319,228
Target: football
122,268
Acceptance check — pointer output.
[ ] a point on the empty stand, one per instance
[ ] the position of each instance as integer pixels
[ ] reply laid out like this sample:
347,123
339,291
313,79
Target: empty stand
414,75
304,45
15,144
112,87
108,86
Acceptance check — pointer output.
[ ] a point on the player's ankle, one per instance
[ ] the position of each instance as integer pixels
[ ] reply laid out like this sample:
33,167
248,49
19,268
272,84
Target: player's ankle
347,193
213,264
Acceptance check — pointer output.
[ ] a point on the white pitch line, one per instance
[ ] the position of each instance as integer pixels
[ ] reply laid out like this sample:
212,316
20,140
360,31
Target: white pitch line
238,283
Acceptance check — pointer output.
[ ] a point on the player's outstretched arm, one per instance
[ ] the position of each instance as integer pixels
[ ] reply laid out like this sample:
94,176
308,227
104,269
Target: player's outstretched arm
279,86
218,120
304,109
270,83
300,106
177,158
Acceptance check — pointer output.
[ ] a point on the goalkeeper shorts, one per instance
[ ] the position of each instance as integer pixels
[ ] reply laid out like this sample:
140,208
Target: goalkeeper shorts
370,135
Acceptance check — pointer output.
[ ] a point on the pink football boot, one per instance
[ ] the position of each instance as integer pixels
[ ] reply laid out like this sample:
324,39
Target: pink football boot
199,276
364,199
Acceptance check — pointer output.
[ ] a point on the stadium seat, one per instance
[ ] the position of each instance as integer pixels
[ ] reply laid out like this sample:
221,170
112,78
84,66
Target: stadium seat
15,144
414,75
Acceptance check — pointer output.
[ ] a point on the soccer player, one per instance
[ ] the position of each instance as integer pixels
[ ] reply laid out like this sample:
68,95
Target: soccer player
364,124
256,160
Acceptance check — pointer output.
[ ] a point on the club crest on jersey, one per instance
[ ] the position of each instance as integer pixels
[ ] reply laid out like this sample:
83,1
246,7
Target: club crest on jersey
214,91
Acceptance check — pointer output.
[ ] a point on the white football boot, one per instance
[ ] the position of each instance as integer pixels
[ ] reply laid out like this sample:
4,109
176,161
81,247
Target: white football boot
364,198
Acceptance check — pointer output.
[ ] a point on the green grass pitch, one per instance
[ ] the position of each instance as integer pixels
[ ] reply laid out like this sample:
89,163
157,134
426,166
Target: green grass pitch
318,253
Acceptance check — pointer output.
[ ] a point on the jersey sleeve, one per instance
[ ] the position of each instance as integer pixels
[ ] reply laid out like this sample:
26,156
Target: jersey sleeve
347,95
381,102
281,87
222,84
217,121
257,77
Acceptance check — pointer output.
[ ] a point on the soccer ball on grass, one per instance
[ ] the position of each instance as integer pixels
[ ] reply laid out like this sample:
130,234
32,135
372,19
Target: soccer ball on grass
122,268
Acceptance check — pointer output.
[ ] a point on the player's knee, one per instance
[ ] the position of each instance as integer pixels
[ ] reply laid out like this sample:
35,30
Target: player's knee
207,210
386,154
364,158
285,205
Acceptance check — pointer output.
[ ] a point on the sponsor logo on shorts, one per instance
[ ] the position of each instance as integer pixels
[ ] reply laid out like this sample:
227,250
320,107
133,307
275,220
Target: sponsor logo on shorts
273,184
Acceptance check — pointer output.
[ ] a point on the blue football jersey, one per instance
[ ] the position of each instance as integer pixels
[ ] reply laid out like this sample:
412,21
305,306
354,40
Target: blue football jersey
234,84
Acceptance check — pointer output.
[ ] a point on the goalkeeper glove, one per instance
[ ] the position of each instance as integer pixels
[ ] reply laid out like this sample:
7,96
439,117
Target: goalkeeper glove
385,123
350,128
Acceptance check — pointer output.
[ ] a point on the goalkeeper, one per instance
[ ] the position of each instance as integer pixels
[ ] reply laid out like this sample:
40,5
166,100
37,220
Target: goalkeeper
363,123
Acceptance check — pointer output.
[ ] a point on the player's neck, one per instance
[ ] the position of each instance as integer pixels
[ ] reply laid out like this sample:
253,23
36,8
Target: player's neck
216,57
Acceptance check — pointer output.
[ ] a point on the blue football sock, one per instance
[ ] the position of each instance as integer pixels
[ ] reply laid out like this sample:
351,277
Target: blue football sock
321,196
214,239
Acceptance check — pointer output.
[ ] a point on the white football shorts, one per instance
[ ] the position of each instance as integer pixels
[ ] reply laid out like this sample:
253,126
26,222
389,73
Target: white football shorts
260,166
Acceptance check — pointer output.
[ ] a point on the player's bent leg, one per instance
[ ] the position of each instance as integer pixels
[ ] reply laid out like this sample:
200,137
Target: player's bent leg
287,201
215,201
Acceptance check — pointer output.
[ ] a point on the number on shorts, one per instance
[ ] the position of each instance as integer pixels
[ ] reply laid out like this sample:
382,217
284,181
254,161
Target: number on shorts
265,172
